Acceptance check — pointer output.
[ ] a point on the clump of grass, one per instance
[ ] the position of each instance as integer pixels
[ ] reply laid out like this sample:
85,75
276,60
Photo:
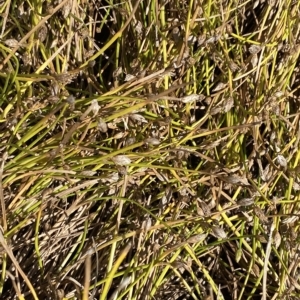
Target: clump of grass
149,149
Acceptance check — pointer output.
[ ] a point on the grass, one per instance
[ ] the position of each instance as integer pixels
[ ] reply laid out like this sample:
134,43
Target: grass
149,149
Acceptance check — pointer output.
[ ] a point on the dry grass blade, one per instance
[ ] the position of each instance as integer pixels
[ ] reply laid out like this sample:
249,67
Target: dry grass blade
267,256
17,266
3,208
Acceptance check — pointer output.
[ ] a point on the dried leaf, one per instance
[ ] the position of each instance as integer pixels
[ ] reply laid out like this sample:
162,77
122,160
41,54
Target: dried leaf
60,293
196,238
205,208
130,141
261,238
180,154
219,87
256,270
223,107
201,39
256,3
278,94
65,78
152,141
125,281
176,34
228,104
88,173
277,147
254,60
112,125
272,3
281,161
166,197
192,98
43,32
212,39
272,137
129,77
291,219
139,27
122,170
102,126
233,66
260,214
219,232
245,202
119,135
296,186
112,178
253,49
138,118
121,160
159,176
267,173
27,59
89,53
215,110
276,238
70,100
192,39
234,179
275,109
12,43
117,72
147,224
229,29
66,9
112,191
95,107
